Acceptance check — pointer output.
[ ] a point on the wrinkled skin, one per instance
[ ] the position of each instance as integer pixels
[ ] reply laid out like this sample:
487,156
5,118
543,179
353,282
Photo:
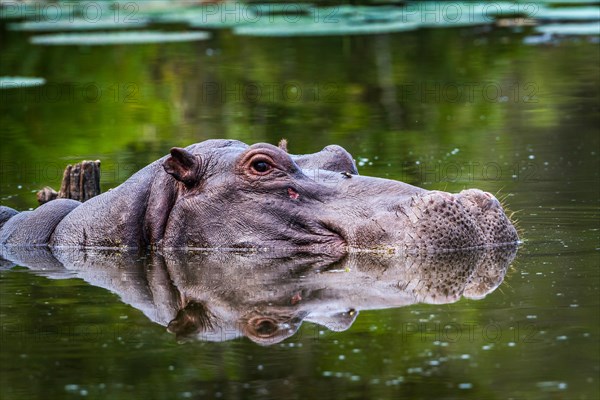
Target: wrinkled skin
218,296
225,194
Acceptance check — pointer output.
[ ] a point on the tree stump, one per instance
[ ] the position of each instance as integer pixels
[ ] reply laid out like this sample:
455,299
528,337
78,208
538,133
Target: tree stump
80,182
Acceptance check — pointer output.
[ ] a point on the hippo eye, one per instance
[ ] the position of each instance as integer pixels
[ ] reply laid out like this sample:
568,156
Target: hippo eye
261,166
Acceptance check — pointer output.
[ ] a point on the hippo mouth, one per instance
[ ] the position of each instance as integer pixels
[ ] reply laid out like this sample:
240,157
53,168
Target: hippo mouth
324,234
334,234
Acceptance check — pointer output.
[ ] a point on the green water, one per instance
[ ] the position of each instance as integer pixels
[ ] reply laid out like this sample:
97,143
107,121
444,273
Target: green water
442,109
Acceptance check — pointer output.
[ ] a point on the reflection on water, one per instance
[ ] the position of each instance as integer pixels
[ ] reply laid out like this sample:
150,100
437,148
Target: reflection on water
218,296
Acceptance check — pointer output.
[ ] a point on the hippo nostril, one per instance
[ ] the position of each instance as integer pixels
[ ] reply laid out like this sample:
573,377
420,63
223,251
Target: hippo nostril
266,328
486,204
263,326
445,195
483,200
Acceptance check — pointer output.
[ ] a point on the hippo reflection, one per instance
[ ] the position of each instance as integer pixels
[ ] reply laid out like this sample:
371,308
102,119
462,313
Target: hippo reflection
226,194
217,296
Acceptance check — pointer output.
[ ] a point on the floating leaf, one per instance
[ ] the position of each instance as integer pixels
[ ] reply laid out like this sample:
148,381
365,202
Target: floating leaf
14,82
570,29
222,20
108,38
570,1
281,8
569,14
306,26
209,16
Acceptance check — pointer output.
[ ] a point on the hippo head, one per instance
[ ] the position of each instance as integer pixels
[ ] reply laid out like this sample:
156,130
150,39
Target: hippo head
225,194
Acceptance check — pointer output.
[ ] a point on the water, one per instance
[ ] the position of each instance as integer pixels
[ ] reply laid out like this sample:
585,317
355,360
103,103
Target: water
439,108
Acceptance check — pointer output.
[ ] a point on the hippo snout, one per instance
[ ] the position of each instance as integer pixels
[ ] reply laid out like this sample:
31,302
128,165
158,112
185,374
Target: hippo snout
440,221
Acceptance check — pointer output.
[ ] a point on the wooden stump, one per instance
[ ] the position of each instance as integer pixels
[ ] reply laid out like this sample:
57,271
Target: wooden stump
80,182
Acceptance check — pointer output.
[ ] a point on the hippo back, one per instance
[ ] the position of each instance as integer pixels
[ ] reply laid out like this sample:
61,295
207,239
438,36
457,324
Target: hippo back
33,228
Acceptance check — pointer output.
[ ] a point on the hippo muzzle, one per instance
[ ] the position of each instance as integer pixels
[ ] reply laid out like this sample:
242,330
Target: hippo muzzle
380,214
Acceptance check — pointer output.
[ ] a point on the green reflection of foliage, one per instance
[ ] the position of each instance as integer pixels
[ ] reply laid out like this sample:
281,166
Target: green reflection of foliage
404,98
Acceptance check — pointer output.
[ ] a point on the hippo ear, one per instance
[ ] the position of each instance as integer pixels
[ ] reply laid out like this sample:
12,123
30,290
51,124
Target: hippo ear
183,166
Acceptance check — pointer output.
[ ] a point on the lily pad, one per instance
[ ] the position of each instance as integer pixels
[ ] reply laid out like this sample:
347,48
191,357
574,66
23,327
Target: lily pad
495,10
110,38
211,16
306,26
569,14
370,13
450,14
571,1
457,21
361,20
229,14
281,8
14,82
588,29
76,24
224,20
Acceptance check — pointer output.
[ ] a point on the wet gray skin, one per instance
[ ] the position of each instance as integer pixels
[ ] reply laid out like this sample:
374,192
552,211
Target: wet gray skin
218,296
225,194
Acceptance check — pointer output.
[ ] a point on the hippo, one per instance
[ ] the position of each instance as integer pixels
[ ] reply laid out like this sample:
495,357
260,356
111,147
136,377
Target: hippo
225,194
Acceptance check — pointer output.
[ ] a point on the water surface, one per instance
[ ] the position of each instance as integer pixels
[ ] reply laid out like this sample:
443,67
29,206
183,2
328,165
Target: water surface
445,109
